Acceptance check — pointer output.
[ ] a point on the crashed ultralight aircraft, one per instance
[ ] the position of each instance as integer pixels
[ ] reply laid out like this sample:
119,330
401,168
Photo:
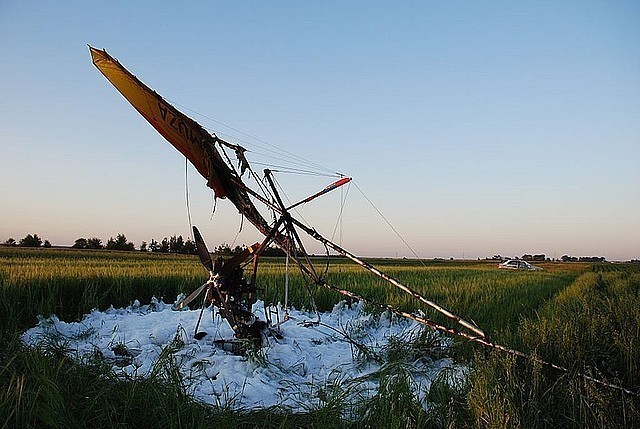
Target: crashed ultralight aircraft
227,287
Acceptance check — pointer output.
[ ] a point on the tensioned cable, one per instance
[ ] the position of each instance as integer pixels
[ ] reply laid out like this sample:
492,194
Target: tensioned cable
290,170
283,169
305,271
299,160
186,190
294,159
239,231
343,196
390,225
275,149
343,200
252,137
288,199
280,156
265,190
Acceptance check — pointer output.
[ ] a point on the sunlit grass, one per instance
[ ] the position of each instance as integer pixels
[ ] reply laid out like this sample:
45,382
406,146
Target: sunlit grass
475,290
592,327
71,283
582,316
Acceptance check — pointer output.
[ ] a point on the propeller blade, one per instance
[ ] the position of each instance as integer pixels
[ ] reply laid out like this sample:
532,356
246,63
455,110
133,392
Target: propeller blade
203,252
182,304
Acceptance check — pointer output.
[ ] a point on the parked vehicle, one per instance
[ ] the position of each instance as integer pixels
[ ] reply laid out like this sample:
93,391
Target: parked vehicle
516,264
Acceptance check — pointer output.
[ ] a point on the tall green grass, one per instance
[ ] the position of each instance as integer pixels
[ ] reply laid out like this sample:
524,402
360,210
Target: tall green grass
593,328
585,317
71,283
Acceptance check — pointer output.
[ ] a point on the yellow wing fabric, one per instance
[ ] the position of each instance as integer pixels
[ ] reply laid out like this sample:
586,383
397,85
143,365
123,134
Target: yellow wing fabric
184,134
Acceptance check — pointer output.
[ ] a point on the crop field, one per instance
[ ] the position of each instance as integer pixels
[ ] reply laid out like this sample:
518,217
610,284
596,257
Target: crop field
584,317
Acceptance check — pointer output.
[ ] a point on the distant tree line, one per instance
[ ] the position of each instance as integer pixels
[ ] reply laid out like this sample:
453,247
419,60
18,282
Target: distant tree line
539,258
88,243
28,241
173,244
177,244
567,258
225,250
526,257
542,258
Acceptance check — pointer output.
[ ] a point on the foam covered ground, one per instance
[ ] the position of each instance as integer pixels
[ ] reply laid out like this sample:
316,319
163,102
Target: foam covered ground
297,370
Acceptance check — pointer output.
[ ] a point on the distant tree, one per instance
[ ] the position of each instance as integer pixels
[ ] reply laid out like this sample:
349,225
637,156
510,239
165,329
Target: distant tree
164,246
592,259
238,249
80,243
273,251
143,246
119,243
539,257
175,244
223,250
94,243
189,247
154,245
31,241
527,257
10,242
47,243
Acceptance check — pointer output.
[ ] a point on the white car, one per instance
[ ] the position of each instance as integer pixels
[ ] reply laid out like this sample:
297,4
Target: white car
516,264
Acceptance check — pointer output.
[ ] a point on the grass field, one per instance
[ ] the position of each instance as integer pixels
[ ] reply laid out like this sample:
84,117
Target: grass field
582,316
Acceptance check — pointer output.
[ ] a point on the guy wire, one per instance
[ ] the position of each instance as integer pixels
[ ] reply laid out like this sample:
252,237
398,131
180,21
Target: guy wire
256,139
186,191
343,200
390,225
239,231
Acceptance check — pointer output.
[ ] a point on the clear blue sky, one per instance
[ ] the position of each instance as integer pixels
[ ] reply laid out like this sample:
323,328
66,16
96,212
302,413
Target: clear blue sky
477,128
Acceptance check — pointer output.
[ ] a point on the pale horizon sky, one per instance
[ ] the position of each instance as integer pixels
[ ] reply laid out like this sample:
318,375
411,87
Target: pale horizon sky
477,128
